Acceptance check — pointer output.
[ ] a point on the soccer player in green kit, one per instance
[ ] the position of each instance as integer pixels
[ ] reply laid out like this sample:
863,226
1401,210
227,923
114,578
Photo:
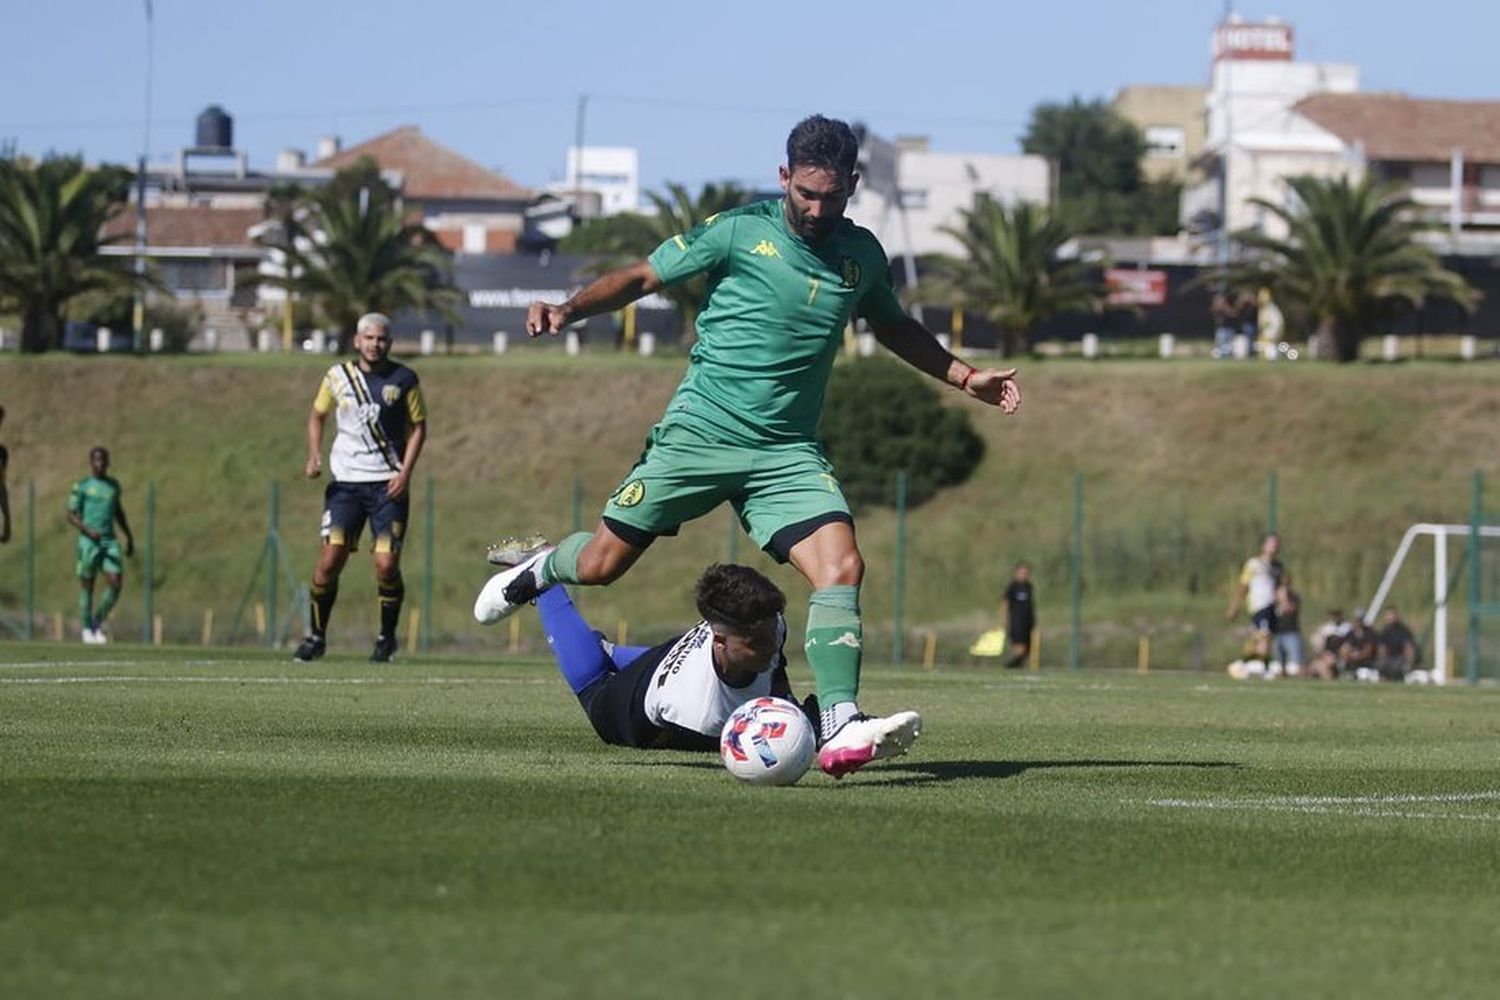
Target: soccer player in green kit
93,508
785,278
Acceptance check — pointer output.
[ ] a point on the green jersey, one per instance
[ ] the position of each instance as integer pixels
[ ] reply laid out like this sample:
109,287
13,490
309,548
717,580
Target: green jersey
772,322
96,501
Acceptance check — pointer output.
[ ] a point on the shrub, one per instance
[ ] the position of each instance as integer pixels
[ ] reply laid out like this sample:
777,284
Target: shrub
882,417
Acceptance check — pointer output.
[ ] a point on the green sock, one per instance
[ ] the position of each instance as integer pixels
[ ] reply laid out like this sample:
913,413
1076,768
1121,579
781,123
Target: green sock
106,604
834,638
562,565
85,607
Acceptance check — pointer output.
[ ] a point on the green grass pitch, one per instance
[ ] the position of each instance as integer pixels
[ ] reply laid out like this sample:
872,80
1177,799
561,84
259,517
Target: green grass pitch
187,824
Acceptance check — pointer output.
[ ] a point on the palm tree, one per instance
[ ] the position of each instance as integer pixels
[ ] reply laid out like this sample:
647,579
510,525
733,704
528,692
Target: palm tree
52,216
1350,258
349,248
624,239
1011,273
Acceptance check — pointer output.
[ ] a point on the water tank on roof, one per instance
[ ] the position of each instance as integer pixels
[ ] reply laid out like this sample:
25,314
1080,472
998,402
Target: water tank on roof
215,129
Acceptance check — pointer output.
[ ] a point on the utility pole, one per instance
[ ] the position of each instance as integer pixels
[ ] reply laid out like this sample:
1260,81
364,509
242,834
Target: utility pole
583,103
1228,150
138,315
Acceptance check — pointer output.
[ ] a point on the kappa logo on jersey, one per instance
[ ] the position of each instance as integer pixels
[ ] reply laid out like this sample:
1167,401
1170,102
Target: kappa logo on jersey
847,639
850,272
390,393
765,248
630,494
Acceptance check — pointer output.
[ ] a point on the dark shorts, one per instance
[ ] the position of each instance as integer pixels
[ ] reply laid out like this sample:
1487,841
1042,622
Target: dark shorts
1264,620
347,506
616,706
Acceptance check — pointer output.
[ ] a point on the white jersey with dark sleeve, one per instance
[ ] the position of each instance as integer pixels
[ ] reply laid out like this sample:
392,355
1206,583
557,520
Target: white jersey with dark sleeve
686,691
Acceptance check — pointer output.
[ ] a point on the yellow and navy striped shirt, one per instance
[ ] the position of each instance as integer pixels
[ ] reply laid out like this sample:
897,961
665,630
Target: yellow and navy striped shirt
375,411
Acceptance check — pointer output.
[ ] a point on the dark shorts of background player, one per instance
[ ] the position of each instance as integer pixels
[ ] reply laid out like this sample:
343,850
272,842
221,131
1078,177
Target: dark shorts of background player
1264,620
616,706
347,506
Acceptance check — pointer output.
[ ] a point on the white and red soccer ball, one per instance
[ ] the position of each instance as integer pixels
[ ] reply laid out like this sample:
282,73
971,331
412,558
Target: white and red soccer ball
767,741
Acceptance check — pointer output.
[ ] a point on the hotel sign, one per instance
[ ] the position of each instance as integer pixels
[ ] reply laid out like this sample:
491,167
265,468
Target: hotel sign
1241,40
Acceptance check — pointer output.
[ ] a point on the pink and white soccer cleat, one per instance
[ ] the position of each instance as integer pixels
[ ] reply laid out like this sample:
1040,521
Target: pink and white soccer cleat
867,737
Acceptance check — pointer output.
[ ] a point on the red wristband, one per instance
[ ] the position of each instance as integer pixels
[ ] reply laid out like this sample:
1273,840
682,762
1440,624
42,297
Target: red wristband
964,384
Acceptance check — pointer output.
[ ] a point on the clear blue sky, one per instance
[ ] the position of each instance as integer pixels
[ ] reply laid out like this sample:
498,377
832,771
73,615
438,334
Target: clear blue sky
705,90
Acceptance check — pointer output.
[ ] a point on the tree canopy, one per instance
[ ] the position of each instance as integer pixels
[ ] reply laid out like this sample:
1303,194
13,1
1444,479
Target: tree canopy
349,248
1349,260
52,217
1097,153
1011,272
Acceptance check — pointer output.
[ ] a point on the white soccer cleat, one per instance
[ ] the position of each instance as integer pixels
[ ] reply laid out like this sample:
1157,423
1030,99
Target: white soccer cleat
87,635
509,589
865,738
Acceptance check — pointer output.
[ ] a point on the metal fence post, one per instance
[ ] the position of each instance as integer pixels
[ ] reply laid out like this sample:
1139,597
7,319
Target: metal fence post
898,608
147,583
1075,633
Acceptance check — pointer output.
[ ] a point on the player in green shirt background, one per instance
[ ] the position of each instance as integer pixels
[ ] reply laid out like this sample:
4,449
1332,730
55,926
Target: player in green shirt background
785,279
94,508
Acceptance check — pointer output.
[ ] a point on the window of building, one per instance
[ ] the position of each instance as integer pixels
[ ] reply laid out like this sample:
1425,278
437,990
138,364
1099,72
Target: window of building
913,198
194,275
1166,140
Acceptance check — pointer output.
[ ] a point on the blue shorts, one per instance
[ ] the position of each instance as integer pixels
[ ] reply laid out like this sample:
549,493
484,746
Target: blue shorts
347,506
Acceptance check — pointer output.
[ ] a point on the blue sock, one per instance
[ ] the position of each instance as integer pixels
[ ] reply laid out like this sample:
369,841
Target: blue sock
624,656
576,648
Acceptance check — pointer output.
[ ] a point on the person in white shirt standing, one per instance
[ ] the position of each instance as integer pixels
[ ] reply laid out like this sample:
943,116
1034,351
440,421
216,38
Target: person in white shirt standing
1262,585
382,425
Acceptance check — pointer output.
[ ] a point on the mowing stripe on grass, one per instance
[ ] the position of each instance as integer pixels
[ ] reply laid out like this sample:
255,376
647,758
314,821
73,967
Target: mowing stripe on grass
426,681
1382,806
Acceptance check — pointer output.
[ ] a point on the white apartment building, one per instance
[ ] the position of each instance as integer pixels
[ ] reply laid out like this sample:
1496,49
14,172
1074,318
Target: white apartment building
609,177
1271,118
908,192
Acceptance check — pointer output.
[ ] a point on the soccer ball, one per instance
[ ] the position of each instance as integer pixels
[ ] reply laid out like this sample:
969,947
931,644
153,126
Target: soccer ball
767,741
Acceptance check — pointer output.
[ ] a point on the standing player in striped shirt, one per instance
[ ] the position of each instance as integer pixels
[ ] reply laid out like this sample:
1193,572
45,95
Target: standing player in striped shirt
382,424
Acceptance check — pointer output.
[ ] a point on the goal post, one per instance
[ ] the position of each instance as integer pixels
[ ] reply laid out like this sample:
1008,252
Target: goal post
1440,534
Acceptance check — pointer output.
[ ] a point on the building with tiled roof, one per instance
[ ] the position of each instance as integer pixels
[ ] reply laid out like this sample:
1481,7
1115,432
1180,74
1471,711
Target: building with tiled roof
1271,118
470,208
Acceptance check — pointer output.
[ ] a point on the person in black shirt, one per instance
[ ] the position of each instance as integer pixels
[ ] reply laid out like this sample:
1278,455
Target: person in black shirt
4,493
1286,638
1020,615
1396,647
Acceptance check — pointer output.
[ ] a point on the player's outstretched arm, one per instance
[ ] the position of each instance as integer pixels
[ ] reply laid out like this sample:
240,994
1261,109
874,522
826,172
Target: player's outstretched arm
914,343
609,292
314,466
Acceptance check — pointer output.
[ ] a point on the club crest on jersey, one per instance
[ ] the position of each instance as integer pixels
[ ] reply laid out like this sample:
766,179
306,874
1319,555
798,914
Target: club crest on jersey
850,272
390,393
630,494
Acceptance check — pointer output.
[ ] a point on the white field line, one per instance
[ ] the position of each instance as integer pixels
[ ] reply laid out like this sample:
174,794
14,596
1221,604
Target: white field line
1380,806
438,681
84,664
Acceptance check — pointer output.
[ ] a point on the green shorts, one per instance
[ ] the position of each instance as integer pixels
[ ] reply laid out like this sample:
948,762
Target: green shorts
781,493
101,555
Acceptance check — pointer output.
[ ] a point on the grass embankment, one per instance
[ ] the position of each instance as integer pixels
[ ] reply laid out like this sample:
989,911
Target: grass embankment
1175,458
182,827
